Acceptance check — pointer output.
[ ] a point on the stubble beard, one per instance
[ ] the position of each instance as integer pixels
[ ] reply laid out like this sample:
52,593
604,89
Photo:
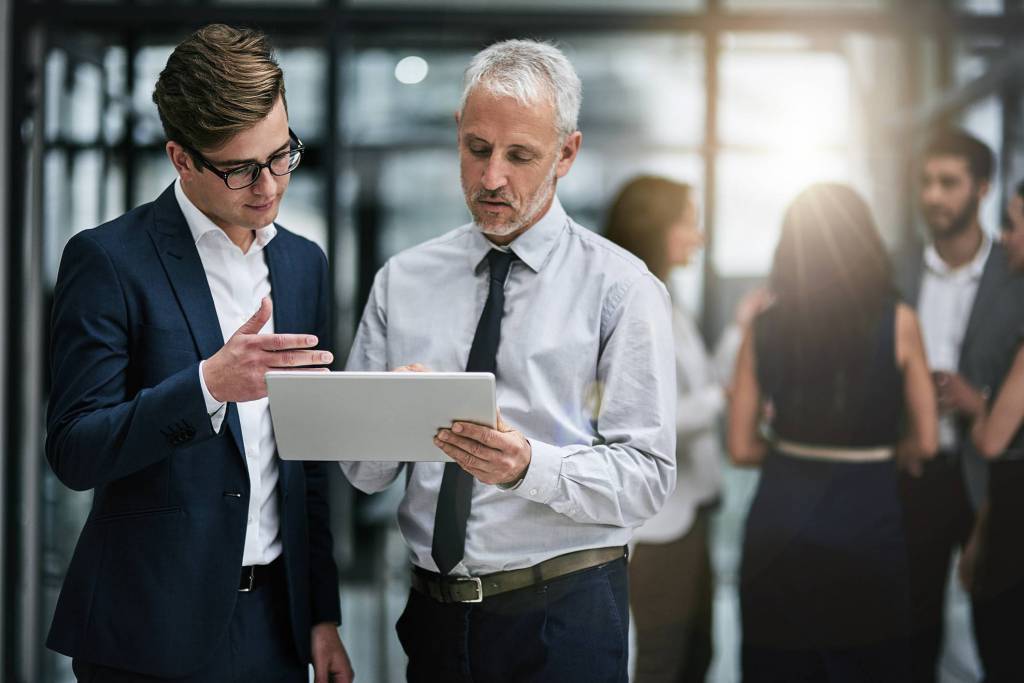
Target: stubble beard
526,217
960,223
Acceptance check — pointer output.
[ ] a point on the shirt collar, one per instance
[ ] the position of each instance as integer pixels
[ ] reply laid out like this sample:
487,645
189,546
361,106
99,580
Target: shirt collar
200,225
973,268
532,247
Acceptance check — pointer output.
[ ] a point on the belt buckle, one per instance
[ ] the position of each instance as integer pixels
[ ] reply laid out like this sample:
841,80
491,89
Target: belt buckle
252,580
475,580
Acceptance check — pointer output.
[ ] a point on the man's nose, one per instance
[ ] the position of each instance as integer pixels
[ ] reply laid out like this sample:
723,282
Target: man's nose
265,183
931,193
495,175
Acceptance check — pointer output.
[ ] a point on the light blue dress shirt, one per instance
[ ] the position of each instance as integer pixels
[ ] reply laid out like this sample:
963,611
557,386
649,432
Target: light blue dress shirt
585,370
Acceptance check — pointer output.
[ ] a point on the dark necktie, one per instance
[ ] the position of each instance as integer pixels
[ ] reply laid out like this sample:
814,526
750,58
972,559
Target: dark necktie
456,492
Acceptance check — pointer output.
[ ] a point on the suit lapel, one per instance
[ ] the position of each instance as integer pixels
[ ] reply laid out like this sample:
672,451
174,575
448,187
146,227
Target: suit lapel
180,258
911,271
992,278
283,293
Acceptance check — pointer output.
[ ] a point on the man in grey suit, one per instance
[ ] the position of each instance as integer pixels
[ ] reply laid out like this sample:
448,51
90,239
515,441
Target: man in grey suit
968,302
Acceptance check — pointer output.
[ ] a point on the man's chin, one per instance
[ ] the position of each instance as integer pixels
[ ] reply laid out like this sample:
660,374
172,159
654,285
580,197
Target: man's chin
496,229
261,222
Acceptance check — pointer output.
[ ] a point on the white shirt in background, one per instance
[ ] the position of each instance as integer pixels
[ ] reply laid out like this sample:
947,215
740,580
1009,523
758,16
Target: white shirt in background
700,382
944,308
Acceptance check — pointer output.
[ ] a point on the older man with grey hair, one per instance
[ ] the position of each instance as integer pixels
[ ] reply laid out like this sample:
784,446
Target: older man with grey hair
518,543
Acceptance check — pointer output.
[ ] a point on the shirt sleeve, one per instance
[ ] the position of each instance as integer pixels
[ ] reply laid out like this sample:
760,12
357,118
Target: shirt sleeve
214,408
726,351
625,477
369,354
698,410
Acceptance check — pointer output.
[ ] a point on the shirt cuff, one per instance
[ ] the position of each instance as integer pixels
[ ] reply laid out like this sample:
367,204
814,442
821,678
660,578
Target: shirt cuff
214,408
541,481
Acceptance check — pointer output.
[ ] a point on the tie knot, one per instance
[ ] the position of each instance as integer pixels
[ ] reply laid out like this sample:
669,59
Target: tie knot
499,262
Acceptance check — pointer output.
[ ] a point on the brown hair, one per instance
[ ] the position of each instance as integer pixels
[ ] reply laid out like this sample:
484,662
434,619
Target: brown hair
641,216
831,276
954,142
217,83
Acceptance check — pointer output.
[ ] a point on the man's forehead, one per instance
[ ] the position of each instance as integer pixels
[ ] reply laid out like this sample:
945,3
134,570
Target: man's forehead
946,164
487,114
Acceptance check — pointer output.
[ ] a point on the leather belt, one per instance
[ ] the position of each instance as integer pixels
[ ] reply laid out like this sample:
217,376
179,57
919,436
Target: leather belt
255,576
476,588
836,453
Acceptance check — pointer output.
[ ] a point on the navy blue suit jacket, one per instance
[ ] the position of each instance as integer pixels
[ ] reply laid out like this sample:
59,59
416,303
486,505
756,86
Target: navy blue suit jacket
154,577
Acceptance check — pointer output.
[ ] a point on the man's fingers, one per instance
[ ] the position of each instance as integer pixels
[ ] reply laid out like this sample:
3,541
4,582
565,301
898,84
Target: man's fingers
294,359
254,324
283,342
465,460
412,367
486,456
485,435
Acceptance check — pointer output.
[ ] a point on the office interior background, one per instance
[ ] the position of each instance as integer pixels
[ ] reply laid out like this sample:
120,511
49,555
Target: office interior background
749,100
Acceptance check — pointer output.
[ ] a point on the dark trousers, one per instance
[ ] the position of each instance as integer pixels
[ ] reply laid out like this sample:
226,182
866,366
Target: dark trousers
670,590
573,628
938,519
880,663
997,596
258,647
998,621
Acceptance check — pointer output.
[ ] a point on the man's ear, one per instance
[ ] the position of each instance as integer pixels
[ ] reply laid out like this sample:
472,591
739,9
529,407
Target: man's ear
180,159
569,151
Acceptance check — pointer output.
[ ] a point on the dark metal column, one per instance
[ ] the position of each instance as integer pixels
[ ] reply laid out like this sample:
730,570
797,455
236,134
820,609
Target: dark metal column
28,356
5,229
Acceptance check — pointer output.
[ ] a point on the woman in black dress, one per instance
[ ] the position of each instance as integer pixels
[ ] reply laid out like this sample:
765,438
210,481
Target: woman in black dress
831,387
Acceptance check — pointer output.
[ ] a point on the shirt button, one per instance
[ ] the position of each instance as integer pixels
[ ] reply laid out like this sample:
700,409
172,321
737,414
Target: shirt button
533,492
251,519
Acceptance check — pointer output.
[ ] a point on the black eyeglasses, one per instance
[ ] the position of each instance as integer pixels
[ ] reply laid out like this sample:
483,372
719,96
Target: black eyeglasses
241,177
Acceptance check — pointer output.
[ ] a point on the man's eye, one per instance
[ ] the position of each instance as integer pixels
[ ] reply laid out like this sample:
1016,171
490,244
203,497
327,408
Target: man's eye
243,172
521,159
479,151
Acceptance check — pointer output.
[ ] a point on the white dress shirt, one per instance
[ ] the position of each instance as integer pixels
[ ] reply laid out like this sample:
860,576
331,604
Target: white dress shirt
701,382
585,370
944,308
238,282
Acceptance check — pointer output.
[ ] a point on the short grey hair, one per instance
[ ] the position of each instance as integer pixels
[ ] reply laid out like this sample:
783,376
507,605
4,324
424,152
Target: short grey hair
528,71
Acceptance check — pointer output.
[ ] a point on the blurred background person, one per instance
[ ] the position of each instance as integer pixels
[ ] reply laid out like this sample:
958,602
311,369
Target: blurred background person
749,100
671,579
824,580
992,567
958,285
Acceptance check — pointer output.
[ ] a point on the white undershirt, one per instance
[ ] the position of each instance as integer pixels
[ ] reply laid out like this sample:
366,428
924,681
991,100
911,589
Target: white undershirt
944,306
238,282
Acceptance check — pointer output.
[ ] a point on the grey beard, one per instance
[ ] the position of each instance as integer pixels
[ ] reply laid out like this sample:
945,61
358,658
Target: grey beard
529,213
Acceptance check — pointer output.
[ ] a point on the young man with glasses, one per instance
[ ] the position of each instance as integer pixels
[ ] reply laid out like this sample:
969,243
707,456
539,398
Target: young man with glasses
204,557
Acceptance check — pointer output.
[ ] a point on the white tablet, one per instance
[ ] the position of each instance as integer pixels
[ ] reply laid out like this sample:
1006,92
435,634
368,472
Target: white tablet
390,416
